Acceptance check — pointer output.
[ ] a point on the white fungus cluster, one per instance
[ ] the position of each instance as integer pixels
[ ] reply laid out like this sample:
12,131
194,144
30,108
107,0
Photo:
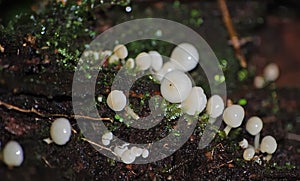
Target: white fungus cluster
270,74
268,144
128,155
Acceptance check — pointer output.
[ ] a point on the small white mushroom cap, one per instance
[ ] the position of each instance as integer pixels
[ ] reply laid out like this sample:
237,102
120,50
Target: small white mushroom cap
13,154
106,138
113,59
248,153
136,151
60,131
244,143
186,56
259,82
195,103
215,106
176,86
121,51
130,63
116,100
167,67
271,72
119,150
156,60
145,153
143,61
128,157
233,115
254,125
268,145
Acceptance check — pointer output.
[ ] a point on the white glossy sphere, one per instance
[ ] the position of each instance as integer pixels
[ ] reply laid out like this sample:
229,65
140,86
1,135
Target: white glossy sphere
254,125
186,56
145,153
234,115
119,150
121,51
248,153
196,101
143,61
13,154
116,100
60,131
271,72
136,151
175,86
156,60
128,157
130,63
108,136
113,59
259,82
268,145
215,106
167,67
105,142
244,143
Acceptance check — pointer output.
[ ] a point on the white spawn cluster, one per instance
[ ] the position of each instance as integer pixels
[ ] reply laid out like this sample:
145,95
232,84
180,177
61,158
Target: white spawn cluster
270,74
176,87
268,144
125,154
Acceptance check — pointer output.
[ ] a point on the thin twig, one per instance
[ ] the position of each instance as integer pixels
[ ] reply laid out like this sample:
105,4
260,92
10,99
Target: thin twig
32,110
100,146
232,33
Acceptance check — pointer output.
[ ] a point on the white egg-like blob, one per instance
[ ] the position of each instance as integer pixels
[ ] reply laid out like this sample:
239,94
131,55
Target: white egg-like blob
195,103
121,51
248,153
167,67
215,106
186,56
259,82
254,125
143,61
145,153
130,63
13,154
119,150
113,59
108,136
116,100
233,115
176,86
268,145
156,60
128,157
136,151
105,142
60,131
271,72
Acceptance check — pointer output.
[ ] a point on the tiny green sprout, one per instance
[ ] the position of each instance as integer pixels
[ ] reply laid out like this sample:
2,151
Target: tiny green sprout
242,102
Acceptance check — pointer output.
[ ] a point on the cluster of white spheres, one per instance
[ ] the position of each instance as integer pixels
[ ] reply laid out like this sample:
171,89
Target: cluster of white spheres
106,138
13,154
60,131
128,156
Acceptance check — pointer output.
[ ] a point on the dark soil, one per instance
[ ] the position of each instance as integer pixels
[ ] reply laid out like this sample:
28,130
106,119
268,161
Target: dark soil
27,82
